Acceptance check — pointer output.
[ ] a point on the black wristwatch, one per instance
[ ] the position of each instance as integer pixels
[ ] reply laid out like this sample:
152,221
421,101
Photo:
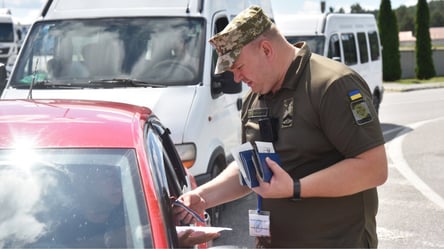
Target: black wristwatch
296,190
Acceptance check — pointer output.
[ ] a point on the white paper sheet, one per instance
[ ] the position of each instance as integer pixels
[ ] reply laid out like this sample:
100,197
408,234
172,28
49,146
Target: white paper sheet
203,229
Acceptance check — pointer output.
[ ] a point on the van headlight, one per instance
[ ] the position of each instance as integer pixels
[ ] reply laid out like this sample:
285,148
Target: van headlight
187,153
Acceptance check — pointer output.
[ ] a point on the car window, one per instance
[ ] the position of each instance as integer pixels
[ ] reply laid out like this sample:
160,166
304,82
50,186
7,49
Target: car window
72,198
167,169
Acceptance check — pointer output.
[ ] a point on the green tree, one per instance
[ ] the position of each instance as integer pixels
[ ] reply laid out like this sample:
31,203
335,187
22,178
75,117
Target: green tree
406,20
436,18
388,30
424,61
406,16
356,8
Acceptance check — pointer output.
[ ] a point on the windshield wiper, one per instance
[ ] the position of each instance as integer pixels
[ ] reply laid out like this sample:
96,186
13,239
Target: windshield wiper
47,84
102,83
116,82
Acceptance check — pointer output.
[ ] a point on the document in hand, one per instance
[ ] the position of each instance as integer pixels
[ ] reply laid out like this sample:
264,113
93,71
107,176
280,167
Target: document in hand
251,160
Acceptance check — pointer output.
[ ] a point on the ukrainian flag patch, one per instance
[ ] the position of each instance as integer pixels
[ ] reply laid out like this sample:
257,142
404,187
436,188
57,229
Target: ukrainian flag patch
354,95
359,107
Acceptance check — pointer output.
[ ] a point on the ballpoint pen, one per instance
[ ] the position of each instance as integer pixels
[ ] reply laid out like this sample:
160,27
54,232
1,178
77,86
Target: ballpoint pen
189,210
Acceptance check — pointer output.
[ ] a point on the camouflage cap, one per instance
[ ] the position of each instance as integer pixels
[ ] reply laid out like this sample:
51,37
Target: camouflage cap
244,28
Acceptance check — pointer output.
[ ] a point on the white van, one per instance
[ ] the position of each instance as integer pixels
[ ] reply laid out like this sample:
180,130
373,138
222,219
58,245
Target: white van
352,39
146,52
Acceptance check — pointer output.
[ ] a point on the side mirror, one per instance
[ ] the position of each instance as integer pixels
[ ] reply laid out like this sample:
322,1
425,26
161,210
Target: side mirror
224,83
2,77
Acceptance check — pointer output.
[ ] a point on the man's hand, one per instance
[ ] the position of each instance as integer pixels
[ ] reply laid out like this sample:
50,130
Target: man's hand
280,185
193,201
190,238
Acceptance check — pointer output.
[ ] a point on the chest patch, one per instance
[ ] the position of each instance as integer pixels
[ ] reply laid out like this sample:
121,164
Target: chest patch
258,113
361,111
287,116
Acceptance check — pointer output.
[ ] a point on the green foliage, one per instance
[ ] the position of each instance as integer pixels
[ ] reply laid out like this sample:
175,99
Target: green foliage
388,30
356,8
406,16
436,18
424,61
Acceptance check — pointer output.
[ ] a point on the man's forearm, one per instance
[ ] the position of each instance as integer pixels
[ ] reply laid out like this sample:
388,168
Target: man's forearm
349,176
224,188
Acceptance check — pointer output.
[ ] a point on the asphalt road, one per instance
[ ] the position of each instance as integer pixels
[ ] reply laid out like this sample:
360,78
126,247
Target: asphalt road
411,208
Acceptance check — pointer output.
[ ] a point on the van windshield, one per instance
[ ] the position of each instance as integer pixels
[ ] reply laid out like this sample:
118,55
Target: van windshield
6,32
158,51
315,43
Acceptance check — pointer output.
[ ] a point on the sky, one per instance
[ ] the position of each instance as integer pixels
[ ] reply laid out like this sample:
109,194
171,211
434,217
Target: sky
26,11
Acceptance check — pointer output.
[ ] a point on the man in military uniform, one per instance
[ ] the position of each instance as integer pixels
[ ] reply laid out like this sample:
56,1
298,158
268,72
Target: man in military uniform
319,116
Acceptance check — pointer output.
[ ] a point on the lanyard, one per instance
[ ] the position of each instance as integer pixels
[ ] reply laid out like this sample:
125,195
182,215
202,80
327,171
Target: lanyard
259,203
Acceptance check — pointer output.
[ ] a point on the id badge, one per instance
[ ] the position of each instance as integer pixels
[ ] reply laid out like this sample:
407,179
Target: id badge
259,223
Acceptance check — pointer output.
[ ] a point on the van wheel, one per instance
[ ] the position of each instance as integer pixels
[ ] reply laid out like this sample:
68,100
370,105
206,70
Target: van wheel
215,212
376,102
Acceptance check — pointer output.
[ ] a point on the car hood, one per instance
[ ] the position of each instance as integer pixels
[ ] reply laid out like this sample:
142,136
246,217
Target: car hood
171,105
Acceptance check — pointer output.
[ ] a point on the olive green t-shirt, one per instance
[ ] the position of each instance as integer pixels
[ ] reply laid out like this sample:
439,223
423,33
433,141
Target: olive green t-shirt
322,114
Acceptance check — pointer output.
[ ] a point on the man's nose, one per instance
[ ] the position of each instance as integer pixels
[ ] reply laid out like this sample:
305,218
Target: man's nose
237,76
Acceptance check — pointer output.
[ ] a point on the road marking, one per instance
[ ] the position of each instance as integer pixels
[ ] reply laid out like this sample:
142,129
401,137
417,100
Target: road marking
393,234
399,162
385,133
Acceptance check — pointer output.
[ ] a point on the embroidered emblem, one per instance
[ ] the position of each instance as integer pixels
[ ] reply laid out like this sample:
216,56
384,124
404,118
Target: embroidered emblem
359,107
287,116
258,113
361,112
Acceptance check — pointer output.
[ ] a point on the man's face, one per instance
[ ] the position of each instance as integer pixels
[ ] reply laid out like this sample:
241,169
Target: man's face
253,69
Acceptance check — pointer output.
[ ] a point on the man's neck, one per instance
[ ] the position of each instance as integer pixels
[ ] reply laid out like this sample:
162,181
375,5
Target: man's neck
288,54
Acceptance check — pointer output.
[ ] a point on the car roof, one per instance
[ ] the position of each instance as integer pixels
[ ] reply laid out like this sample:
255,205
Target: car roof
70,123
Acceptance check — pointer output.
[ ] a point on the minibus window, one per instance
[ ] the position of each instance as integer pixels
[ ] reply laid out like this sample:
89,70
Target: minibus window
362,43
349,46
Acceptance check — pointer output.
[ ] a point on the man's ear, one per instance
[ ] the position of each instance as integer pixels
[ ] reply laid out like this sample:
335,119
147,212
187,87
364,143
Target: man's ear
267,48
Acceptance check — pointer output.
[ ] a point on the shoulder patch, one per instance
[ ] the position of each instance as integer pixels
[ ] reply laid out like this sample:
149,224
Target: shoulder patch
354,95
361,111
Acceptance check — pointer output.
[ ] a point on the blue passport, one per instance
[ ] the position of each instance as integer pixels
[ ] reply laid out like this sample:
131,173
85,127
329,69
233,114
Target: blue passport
263,150
251,160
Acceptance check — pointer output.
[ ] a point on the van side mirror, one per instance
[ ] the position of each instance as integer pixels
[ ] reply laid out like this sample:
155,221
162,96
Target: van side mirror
224,83
2,77
336,58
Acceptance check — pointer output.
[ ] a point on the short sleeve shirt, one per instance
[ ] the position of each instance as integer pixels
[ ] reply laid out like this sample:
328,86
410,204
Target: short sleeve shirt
322,114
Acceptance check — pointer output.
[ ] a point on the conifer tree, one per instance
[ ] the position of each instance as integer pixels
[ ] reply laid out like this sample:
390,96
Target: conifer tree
388,30
423,49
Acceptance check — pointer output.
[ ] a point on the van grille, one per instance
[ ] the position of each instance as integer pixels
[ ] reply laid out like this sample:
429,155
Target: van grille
4,50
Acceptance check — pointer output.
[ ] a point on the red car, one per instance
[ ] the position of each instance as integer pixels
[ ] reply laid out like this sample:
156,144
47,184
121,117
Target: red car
86,174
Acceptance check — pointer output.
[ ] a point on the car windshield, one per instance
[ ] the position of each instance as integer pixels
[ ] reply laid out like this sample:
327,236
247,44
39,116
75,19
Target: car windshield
155,51
315,43
72,198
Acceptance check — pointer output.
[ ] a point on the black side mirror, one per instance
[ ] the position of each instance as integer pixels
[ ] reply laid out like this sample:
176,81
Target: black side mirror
2,77
224,83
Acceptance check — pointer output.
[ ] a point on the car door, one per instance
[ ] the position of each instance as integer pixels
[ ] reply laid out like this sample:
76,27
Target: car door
168,173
